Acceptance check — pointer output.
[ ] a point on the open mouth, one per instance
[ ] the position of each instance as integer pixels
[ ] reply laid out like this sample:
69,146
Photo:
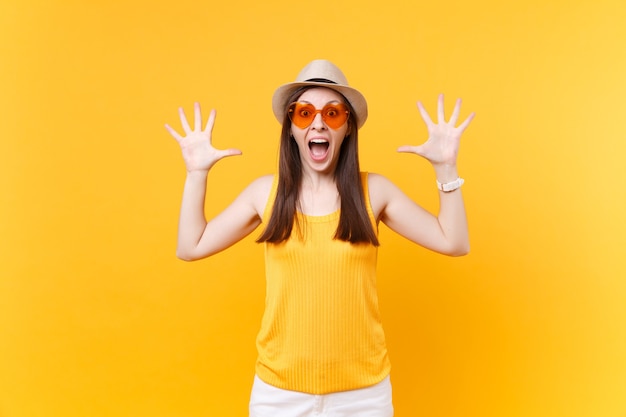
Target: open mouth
318,147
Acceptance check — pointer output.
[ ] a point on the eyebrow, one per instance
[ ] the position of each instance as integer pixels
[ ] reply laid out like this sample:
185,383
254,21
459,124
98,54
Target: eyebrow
330,102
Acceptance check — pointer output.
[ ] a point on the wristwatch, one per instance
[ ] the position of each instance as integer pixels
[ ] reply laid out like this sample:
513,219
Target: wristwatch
450,186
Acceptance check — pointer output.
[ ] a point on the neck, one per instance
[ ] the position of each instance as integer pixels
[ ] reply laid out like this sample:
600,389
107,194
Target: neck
315,181
318,195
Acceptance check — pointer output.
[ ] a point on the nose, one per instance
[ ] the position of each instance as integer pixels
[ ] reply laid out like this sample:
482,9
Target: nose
318,122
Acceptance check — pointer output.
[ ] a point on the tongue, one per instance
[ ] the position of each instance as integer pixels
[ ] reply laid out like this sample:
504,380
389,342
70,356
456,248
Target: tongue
318,149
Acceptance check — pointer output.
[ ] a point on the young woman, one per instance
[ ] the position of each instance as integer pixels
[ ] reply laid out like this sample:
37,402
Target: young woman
321,344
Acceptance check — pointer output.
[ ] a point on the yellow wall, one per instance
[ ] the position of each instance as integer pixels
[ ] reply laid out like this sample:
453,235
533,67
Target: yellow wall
98,317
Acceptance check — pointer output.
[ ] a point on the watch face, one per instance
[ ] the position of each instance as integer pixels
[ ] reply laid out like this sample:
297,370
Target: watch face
450,186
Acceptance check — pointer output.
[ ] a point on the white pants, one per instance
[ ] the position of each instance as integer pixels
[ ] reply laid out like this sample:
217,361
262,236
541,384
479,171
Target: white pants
269,401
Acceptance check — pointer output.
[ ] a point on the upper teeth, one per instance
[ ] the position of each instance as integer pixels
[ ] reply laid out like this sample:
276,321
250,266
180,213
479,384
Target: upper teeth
318,141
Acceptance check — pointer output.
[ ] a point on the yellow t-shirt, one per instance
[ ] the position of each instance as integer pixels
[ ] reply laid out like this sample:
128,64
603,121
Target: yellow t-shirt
321,330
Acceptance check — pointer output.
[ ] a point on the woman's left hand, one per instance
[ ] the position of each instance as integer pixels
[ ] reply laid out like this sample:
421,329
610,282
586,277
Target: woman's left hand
442,145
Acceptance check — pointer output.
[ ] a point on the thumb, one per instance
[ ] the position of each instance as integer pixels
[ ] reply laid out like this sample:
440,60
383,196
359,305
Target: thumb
417,150
408,149
230,152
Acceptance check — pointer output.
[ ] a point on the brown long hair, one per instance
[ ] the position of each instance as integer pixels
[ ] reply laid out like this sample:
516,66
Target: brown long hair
354,223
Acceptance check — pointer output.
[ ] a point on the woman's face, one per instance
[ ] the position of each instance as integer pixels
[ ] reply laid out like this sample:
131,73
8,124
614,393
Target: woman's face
318,143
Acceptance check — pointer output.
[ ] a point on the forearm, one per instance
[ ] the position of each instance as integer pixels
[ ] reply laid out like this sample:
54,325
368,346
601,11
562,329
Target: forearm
192,222
452,216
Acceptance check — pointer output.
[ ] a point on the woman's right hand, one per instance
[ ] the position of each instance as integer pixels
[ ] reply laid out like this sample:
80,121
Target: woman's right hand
198,152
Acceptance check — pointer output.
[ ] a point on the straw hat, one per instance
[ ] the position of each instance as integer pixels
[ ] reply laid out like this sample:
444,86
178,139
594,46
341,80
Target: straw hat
324,74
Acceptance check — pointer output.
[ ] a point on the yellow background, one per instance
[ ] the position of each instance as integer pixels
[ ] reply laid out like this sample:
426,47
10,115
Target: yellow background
98,317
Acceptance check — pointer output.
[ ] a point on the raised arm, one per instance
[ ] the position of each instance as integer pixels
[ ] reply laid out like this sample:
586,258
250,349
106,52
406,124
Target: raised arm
447,232
198,238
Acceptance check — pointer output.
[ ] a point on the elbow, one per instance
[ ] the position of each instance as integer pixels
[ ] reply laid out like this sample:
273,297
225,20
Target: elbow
460,253
185,255
191,254
458,250
461,250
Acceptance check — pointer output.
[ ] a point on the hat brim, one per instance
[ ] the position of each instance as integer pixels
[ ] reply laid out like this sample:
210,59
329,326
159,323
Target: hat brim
354,97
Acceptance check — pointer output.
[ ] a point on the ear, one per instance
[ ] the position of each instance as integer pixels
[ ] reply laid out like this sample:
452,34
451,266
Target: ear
349,130
291,131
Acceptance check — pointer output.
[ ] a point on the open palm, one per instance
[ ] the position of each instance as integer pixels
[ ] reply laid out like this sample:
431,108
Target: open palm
442,146
198,151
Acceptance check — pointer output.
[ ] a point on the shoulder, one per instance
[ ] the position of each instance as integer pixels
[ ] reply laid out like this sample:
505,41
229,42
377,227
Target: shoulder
263,183
258,192
379,184
381,191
